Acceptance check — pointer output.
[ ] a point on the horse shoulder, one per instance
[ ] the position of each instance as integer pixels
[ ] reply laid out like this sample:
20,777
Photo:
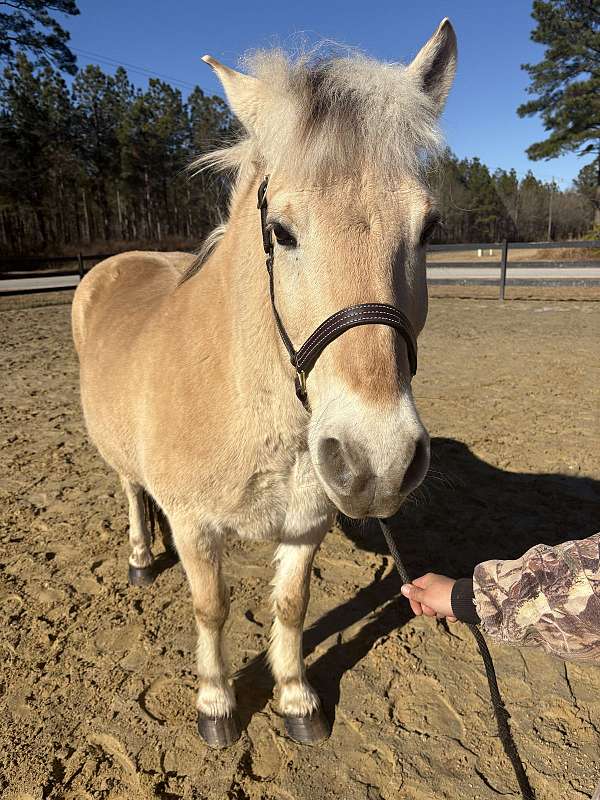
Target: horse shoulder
124,282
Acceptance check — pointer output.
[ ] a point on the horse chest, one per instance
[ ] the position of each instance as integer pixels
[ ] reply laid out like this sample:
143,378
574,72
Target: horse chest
284,504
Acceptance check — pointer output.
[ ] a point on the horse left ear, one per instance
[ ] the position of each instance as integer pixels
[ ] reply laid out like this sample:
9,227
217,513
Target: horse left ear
245,94
435,64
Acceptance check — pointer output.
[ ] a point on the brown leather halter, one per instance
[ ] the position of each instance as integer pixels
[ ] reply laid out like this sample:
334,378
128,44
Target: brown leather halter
304,359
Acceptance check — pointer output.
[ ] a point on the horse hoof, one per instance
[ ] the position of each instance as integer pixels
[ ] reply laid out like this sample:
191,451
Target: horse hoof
309,729
141,576
219,732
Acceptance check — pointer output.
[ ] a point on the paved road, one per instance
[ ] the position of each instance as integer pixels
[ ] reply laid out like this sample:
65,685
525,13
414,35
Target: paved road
459,274
545,273
38,283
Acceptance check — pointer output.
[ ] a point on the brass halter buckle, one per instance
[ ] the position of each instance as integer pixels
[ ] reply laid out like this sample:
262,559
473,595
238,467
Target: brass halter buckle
300,383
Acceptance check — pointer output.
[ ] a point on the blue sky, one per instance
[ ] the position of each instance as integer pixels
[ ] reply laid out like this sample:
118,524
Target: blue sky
493,37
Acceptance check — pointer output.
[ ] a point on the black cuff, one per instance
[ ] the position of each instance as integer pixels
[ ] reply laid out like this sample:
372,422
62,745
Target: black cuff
462,601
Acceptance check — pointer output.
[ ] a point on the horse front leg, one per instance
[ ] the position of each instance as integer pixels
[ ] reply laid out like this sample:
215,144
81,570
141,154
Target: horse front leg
298,701
200,555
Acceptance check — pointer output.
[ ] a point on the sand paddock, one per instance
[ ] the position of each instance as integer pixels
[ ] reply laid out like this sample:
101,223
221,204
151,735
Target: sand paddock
97,679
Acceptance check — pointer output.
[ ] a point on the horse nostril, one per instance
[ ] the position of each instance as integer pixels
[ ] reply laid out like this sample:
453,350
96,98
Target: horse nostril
418,466
334,464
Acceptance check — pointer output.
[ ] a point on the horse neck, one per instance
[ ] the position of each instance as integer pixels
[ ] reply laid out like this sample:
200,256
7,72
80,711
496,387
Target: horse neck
259,362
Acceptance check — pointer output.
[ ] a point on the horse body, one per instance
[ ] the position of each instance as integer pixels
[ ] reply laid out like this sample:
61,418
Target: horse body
187,391
156,362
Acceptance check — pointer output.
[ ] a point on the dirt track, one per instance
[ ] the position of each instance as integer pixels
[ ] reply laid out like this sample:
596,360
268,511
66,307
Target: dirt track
97,680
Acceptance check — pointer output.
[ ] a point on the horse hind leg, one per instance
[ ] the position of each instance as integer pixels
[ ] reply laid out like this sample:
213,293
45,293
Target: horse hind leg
141,560
299,704
164,526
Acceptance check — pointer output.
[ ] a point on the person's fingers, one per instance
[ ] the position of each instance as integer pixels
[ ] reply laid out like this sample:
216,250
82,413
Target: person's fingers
451,619
424,581
416,607
413,592
408,590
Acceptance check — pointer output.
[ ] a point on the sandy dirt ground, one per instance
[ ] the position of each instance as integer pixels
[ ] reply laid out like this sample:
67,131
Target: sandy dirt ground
97,679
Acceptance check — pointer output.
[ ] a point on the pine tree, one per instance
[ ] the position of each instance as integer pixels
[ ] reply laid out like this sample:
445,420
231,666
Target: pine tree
100,102
507,187
36,140
107,160
211,125
534,202
566,83
586,184
27,26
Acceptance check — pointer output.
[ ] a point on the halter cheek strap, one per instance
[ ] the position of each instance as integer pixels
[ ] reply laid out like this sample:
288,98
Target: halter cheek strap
304,359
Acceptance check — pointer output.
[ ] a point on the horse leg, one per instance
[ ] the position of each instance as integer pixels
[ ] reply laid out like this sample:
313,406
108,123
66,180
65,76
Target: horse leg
298,701
201,558
141,561
166,534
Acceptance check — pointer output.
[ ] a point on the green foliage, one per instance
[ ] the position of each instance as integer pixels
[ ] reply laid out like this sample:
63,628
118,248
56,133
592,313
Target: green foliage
587,183
478,206
566,83
36,139
27,26
106,161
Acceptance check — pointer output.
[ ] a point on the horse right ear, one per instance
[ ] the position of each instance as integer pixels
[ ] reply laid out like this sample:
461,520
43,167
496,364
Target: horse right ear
245,94
435,64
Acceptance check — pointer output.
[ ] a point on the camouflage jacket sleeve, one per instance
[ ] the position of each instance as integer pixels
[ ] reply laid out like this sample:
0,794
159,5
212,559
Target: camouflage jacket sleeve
550,597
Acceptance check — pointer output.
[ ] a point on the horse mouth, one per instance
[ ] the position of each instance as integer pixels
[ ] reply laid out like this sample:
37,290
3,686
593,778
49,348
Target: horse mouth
380,505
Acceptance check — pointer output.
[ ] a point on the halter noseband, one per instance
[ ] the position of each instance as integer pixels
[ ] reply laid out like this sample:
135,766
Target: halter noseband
304,359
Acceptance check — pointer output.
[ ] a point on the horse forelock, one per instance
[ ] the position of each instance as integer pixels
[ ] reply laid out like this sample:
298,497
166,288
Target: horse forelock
328,118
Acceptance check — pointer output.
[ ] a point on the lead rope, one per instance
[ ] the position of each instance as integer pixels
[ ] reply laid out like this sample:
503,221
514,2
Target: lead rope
500,712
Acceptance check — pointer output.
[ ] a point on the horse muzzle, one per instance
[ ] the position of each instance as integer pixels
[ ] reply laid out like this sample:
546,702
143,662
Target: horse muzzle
362,482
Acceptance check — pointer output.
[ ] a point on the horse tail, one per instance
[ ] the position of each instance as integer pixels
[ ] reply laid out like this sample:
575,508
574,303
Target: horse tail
156,517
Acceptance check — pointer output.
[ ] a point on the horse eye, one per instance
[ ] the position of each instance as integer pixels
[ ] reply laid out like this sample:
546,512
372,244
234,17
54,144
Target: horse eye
283,236
429,229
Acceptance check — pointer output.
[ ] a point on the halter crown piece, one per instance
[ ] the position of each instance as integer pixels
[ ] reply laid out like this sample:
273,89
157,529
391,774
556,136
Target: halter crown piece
304,359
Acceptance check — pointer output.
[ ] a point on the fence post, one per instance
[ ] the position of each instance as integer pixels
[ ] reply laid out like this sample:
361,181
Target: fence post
503,260
81,267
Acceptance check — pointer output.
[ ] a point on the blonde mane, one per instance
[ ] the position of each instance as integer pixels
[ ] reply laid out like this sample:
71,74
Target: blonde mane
332,118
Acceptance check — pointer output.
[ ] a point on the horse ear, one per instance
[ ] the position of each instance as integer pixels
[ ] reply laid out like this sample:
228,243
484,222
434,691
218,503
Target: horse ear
245,94
435,64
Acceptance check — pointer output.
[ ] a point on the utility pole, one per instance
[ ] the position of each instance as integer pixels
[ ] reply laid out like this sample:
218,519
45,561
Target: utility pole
549,236
554,185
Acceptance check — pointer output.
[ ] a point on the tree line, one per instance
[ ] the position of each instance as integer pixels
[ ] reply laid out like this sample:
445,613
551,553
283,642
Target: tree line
103,161
101,164
478,205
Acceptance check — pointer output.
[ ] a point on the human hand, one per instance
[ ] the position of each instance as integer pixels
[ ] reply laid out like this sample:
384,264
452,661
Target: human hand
431,595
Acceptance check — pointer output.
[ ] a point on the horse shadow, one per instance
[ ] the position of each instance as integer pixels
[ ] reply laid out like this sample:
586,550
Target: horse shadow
468,511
